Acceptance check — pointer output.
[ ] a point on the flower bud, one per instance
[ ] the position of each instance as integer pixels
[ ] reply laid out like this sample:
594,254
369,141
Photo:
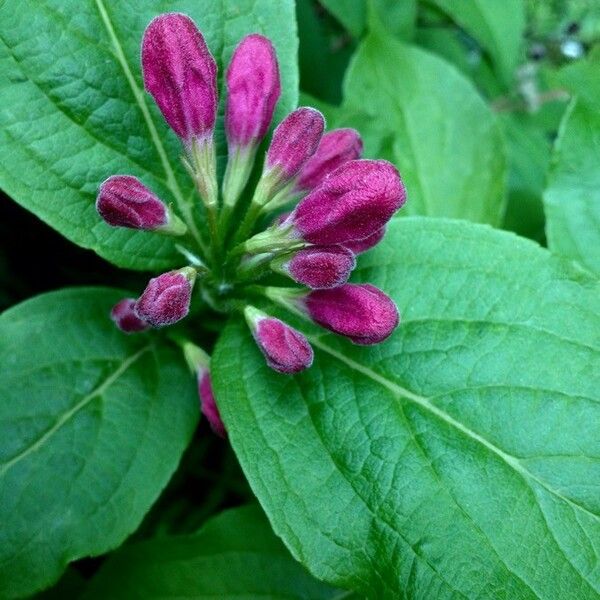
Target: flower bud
294,141
166,298
124,201
362,312
336,148
360,246
208,406
124,317
181,74
285,349
253,88
318,267
354,202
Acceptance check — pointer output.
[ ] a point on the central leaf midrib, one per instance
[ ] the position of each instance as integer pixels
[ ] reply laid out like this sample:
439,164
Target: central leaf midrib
71,412
426,404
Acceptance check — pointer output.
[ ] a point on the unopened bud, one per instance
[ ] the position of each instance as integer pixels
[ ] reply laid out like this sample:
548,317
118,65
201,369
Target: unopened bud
124,201
285,349
253,88
208,406
294,141
124,317
166,298
335,148
362,312
360,246
354,202
181,74
318,267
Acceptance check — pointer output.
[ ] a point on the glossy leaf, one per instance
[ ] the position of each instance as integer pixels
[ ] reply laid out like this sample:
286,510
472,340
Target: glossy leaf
498,26
72,116
418,111
234,555
92,425
459,459
572,199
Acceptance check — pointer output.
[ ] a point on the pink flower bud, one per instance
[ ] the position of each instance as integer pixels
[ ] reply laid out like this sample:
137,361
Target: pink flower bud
294,141
285,349
208,406
362,312
320,267
166,298
336,148
124,201
360,246
253,88
354,202
124,317
181,74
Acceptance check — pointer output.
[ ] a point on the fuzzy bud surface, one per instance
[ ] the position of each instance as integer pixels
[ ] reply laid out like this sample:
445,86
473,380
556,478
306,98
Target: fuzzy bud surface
294,141
124,316
285,349
253,88
181,74
360,312
166,298
335,148
124,201
320,267
354,202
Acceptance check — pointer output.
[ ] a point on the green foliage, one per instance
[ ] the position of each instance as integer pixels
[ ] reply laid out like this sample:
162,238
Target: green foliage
92,424
399,16
459,458
234,555
572,199
73,110
497,26
419,112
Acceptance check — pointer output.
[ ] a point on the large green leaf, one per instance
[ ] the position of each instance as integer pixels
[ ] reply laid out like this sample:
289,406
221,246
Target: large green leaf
92,424
398,17
234,555
421,113
459,459
73,110
498,26
572,199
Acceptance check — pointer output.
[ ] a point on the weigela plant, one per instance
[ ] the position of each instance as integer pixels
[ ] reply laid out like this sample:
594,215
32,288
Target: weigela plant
323,202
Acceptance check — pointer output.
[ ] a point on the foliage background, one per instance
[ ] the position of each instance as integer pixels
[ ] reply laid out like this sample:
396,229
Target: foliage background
517,82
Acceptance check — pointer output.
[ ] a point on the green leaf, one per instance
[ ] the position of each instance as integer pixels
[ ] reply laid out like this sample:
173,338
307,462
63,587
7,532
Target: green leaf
73,110
460,458
418,111
528,146
498,26
234,555
572,199
92,425
398,17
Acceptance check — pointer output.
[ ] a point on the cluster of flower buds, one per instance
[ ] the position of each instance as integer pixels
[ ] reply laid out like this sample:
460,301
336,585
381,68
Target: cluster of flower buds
337,203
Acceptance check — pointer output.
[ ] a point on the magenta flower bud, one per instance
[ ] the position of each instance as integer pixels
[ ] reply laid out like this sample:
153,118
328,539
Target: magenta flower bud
336,148
360,246
124,201
294,141
208,406
285,349
181,74
166,298
253,88
354,202
362,312
318,267
124,317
